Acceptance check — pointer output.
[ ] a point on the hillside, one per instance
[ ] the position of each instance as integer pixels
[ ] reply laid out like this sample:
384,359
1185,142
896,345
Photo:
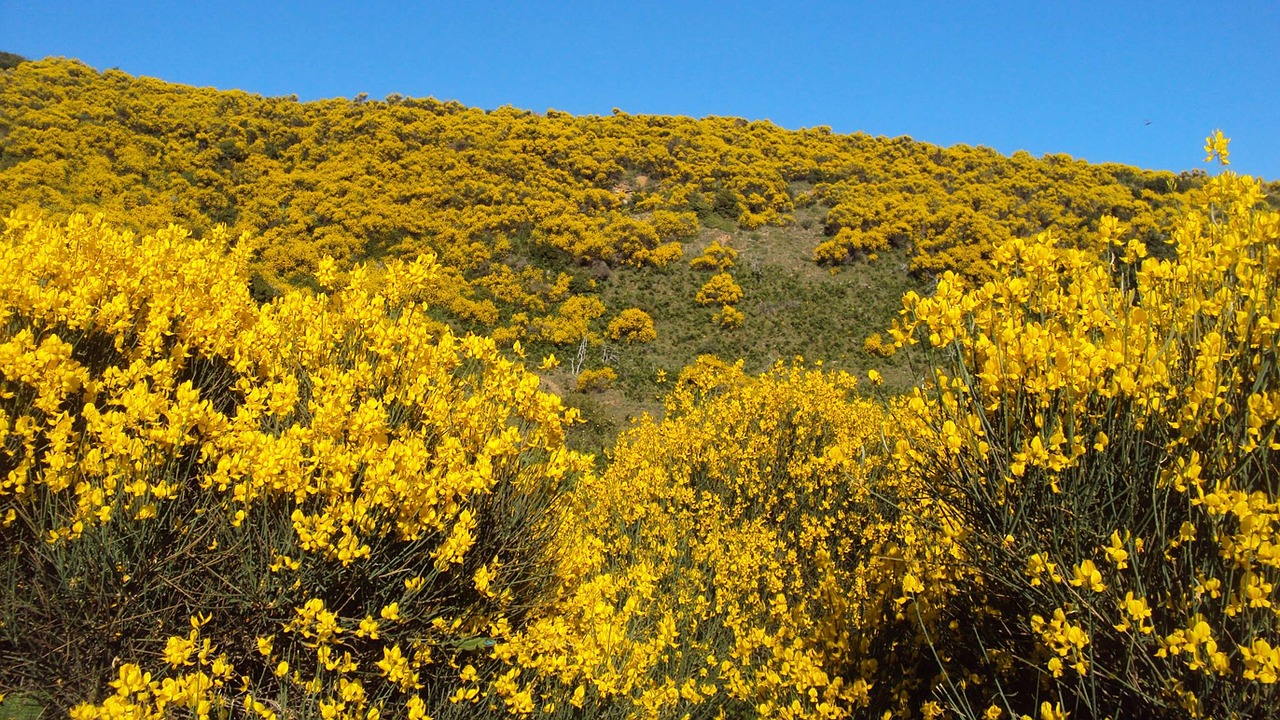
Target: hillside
527,210
370,409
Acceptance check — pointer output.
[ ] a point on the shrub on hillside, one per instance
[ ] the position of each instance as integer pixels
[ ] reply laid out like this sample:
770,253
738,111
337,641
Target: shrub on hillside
1104,428
325,503
875,345
729,317
730,563
720,289
674,225
849,244
595,380
632,325
715,257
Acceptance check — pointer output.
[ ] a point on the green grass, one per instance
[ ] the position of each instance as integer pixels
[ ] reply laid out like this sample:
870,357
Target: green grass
793,308
22,707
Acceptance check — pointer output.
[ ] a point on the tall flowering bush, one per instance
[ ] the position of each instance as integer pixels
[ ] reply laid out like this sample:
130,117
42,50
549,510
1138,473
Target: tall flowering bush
730,562
326,502
1102,426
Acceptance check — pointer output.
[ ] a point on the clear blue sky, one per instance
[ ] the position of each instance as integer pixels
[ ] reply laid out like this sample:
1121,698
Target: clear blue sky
1138,83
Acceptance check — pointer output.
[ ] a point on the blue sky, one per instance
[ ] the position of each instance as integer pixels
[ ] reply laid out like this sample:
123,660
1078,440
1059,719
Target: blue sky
1138,83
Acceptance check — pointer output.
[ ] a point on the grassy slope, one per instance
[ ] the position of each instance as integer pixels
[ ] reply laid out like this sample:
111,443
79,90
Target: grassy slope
793,308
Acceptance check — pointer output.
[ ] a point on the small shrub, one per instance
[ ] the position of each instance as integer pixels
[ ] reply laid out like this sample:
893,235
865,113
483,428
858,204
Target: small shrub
632,325
729,317
720,289
715,257
875,345
596,380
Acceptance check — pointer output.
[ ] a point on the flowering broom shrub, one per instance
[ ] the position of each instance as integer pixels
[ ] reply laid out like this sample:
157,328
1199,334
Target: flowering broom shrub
328,503
715,257
632,325
729,317
720,289
595,380
1102,426
730,561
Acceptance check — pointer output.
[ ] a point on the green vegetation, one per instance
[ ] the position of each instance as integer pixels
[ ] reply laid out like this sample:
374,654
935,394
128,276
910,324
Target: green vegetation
10,60
298,404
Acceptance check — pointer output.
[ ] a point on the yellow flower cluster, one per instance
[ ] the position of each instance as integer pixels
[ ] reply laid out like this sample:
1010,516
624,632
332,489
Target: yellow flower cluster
143,388
729,317
719,289
1104,425
595,380
715,256
571,323
486,191
202,689
769,605
848,244
632,325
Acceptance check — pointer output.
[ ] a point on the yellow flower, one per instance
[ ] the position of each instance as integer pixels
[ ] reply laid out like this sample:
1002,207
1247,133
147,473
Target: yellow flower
1116,552
391,612
369,627
327,272
130,679
1052,712
1086,575
177,650
1216,145
417,709
482,579
395,667
911,584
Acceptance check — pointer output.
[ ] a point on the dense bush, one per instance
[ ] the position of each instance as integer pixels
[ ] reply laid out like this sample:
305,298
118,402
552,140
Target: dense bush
729,561
325,503
1103,427
719,289
632,325
715,257
595,380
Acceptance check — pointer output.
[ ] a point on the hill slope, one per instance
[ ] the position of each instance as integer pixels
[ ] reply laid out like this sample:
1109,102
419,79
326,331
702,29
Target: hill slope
527,211
328,498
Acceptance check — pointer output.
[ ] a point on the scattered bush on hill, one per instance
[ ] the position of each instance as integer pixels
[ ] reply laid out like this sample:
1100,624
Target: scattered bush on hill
632,325
720,289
